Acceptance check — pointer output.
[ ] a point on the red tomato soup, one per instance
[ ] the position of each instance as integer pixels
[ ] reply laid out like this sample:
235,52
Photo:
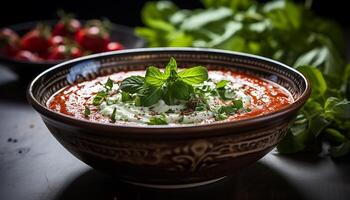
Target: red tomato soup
130,98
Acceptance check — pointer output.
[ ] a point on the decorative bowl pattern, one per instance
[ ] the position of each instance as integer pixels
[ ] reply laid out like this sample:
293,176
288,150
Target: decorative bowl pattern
162,155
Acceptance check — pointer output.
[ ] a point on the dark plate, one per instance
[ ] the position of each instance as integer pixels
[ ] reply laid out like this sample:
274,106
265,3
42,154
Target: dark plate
26,70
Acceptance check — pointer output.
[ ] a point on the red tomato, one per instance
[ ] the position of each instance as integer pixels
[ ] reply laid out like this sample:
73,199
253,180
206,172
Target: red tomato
58,53
76,52
9,42
56,40
114,46
67,27
94,37
27,55
36,40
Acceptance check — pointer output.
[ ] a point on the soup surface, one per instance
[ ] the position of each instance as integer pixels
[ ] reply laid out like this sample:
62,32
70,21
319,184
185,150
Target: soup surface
134,98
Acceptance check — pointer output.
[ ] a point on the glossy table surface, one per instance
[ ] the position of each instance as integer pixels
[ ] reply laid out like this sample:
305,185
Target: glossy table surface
33,165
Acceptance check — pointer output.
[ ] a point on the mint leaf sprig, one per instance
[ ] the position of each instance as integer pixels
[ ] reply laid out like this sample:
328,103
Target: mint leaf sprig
171,85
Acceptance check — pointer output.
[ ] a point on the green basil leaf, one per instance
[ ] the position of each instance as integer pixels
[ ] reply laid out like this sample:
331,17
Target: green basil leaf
154,76
132,84
194,75
221,84
171,66
150,95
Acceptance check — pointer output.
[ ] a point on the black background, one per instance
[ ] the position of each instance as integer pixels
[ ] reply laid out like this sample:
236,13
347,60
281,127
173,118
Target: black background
127,12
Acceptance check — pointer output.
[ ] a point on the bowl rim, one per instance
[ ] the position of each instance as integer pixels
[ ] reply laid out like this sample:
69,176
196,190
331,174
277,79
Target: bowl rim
50,114
51,22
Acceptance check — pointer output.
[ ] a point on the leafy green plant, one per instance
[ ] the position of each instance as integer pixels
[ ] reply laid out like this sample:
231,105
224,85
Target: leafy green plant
281,30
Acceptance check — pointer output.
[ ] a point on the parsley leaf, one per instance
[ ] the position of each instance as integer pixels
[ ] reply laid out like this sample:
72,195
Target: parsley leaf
113,116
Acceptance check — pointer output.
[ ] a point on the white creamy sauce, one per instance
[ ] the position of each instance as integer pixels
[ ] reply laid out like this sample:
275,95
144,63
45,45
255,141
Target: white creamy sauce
173,113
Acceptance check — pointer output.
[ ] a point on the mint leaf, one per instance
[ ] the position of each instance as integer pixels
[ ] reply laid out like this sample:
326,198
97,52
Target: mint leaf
171,66
150,95
194,75
221,84
154,76
132,84
157,121
98,99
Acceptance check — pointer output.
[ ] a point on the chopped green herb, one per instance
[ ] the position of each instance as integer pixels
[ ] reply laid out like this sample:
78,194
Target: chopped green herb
126,96
98,99
113,116
87,111
220,116
238,104
109,84
158,120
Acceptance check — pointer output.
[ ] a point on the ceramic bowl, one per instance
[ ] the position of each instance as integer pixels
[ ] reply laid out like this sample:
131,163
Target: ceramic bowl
27,70
163,156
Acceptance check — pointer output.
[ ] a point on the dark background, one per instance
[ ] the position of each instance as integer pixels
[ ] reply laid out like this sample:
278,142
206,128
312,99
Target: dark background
127,12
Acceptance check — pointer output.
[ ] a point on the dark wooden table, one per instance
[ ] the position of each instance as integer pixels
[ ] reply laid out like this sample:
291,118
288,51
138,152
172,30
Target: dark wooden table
33,165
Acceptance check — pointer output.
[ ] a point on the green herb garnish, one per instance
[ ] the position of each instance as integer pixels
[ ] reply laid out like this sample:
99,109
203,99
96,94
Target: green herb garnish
99,98
158,120
113,116
132,84
171,85
87,111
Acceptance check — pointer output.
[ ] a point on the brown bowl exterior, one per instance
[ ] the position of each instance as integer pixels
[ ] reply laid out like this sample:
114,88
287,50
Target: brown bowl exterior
166,155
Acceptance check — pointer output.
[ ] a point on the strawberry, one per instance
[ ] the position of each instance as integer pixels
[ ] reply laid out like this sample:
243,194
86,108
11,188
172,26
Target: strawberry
68,26
94,36
9,42
114,46
36,40
27,55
